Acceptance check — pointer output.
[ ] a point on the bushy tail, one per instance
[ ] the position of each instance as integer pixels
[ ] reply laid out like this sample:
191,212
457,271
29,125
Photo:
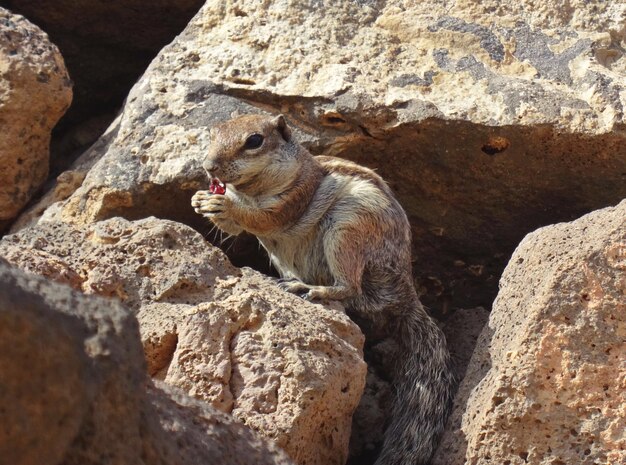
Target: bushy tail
423,391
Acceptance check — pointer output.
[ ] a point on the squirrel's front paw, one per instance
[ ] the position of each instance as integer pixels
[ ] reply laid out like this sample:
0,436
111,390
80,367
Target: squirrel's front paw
211,205
294,286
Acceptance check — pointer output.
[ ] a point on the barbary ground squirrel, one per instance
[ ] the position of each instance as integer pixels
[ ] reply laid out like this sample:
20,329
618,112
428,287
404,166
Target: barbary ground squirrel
334,230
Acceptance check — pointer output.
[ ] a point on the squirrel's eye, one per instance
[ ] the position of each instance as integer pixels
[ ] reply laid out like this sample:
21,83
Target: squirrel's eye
253,142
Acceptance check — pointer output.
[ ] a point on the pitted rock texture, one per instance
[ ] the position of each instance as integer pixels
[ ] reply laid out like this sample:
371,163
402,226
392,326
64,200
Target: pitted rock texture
289,369
35,91
487,119
139,263
84,396
546,382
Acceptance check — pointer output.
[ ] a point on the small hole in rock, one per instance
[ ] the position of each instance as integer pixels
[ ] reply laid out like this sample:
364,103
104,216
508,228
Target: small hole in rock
332,119
495,144
243,81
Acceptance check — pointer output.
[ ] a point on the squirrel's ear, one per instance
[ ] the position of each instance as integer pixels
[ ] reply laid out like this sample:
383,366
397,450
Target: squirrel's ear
281,126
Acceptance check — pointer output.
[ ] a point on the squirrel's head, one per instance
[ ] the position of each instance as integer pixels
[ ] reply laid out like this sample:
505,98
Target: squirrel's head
248,150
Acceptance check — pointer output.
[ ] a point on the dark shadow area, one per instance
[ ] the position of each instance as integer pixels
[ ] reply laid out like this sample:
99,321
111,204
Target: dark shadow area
453,444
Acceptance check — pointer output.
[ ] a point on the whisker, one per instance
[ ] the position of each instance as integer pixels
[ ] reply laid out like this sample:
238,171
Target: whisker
232,243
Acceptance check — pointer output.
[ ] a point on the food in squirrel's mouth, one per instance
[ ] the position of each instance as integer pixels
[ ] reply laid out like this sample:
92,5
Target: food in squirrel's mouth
217,186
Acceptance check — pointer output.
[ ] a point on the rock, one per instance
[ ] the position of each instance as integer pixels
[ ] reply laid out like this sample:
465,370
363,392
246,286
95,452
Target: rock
466,333
64,186
106,46
74,389
206,435
545,384
290,370
370,419
287,368
35,91
462,331
139,263
486,119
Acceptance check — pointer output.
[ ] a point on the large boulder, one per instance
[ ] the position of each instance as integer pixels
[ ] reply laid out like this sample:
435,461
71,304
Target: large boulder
546,382
487,119
74,389
289,369
35,91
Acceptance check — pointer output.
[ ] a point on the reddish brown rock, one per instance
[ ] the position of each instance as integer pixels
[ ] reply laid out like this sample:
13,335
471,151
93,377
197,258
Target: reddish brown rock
287,368
35,91
546,382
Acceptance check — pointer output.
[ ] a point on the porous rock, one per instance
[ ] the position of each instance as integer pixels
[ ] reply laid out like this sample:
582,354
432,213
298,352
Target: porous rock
488,119
35,91
289,369
74,389
546,382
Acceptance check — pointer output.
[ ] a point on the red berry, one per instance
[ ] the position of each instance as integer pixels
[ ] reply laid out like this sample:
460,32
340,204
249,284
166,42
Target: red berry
217,187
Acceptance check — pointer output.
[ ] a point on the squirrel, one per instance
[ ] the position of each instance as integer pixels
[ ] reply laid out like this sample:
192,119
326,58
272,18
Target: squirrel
334,230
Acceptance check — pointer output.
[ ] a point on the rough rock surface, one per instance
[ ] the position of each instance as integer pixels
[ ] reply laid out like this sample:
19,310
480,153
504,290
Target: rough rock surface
487,119
289,369
74,389
35,91
546,382
106,45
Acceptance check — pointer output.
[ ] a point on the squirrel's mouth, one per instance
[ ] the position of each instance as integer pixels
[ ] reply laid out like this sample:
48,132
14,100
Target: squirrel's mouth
217,186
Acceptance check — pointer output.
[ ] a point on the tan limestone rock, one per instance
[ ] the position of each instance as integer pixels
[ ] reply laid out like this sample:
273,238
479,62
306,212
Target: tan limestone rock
546,382
35,91
289,369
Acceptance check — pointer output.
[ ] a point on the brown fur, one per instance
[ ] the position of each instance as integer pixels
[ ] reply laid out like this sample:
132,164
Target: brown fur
334,230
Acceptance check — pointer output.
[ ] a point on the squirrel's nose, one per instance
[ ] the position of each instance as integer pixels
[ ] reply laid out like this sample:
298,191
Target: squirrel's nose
211,167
